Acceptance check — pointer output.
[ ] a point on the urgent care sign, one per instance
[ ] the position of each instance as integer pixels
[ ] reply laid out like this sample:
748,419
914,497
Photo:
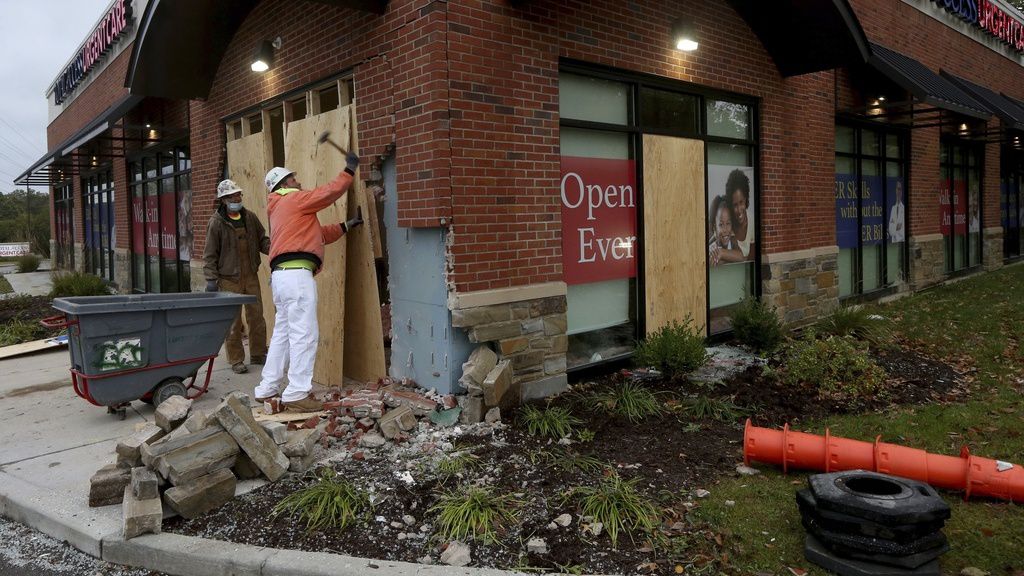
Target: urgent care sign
598,219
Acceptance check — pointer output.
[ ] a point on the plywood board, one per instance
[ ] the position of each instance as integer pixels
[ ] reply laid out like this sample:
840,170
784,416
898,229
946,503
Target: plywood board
364,351
674,250
248,163
315,165
373,224
33,346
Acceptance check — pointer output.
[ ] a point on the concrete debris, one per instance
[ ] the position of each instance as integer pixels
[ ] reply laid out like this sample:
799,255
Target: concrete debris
199,459
150,452
701,493
409,520
145,484
140,516
472,409
493,415
456,554
300,443
497,382
396,421
475,370
172,412
746,470
237,419
245,468
372,440
107,485
129,447
276,430
537,546
198,420
564,520
300,464
202,494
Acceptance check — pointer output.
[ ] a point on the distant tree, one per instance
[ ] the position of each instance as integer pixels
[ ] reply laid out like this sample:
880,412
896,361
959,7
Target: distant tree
25,217
1018,4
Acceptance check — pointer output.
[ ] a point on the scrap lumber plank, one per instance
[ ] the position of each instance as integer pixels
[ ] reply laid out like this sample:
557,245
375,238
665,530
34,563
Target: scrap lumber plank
316,165
262,416
364,356
33,346
673,193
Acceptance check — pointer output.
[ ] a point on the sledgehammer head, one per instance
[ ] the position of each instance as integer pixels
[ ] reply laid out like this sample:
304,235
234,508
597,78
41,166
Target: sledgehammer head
323,137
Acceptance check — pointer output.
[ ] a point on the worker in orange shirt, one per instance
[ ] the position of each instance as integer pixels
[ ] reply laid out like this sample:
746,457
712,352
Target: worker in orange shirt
296,255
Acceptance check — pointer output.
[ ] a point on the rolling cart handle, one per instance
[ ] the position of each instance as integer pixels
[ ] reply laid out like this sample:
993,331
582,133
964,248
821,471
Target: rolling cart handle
59,321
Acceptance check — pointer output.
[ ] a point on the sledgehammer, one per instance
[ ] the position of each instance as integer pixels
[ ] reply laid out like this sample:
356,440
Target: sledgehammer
326,137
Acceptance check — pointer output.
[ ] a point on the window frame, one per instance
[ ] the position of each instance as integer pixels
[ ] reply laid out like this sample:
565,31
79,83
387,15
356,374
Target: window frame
95,185
947,144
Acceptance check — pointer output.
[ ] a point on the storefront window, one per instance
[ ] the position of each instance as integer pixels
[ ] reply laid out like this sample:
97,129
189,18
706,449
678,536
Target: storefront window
960,204
161,201
599,222
64,233
98,223
602,123
1011,201
732,217
870,208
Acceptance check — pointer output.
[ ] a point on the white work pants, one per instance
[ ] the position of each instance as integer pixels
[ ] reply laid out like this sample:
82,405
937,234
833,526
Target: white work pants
293,344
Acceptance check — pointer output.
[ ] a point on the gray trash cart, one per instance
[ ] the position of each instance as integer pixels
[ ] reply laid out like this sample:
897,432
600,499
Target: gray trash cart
144,346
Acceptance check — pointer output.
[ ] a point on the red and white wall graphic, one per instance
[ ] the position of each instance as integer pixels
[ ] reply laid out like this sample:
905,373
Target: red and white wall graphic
598,219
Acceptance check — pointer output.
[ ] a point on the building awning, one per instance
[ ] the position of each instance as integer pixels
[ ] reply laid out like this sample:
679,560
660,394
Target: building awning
925,86
1009,112
180,43
40,171
804,36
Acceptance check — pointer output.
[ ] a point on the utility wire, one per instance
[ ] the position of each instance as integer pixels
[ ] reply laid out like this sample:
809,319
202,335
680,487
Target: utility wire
18,132
13,146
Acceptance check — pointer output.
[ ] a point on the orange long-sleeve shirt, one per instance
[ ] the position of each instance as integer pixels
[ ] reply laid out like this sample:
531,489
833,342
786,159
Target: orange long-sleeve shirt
295,231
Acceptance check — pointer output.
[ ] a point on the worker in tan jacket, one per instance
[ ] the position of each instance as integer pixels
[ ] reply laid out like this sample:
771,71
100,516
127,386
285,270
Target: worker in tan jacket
296,255
234,239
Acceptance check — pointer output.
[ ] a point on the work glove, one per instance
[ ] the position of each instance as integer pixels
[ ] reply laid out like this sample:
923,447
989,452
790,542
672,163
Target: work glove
352,223
211,286
351,161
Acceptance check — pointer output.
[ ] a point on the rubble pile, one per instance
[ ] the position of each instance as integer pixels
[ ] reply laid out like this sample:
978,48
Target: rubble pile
191,460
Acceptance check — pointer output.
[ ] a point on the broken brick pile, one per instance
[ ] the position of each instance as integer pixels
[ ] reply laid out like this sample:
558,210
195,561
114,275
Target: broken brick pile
190,460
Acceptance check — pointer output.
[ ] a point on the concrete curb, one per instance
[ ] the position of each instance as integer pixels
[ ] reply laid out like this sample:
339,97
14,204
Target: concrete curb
190,556
17,507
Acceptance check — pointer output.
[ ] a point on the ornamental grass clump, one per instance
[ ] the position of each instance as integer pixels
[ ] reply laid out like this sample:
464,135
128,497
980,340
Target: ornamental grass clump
475,513
757,325
707,407
77,284
618,505
629,400
856,322
551,422
28,263
333,502
676,349
455,464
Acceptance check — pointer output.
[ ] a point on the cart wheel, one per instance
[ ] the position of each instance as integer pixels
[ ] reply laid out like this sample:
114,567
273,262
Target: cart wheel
121,411
166,389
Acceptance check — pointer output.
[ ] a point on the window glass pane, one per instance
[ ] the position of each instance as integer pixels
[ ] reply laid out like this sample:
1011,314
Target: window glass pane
601,294
871,264
166,164
731,229
846,271
276,122
729,120
665,110
593,99
869,143
184,162
845,141
328,99
892,146
150,167
896,223
298,109
255,124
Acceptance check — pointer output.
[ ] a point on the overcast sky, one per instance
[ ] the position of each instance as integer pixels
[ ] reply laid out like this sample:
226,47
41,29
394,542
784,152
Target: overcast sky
37,37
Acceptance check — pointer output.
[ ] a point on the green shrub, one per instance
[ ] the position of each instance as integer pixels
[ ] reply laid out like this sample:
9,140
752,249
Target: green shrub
28,263
836,368
757,325
333,502
473,513
676,350
856,322
17,331
628,400
77,284
552,421
618,505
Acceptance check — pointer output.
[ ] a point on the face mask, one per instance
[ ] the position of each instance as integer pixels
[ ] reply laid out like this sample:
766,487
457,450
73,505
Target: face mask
234,207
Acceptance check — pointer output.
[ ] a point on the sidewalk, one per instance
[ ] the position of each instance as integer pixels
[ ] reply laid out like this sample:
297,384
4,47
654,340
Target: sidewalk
53,443
36,283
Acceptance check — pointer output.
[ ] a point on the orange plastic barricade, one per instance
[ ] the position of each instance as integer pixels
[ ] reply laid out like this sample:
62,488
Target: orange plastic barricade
975,475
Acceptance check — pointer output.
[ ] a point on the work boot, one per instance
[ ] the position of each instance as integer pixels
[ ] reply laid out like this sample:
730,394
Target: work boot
260,360
307,404
239,368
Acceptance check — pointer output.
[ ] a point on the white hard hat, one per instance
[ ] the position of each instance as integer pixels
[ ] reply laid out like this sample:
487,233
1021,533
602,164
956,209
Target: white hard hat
274,177
227,188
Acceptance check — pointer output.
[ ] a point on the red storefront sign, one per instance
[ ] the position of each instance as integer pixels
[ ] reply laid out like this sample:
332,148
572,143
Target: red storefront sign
598,219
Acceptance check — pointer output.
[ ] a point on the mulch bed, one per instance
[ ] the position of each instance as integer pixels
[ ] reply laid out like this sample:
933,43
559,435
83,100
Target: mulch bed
671,457
29,309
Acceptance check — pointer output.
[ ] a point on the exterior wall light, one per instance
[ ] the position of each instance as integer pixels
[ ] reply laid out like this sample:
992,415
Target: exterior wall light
684,35
263,58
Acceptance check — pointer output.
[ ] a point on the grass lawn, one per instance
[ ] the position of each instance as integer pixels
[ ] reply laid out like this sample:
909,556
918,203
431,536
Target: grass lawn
5,286
975,324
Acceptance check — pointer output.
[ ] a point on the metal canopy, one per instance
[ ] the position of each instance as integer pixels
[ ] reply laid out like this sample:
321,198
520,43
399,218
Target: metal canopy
180,43
806,36
1009,112
924,85
40,171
